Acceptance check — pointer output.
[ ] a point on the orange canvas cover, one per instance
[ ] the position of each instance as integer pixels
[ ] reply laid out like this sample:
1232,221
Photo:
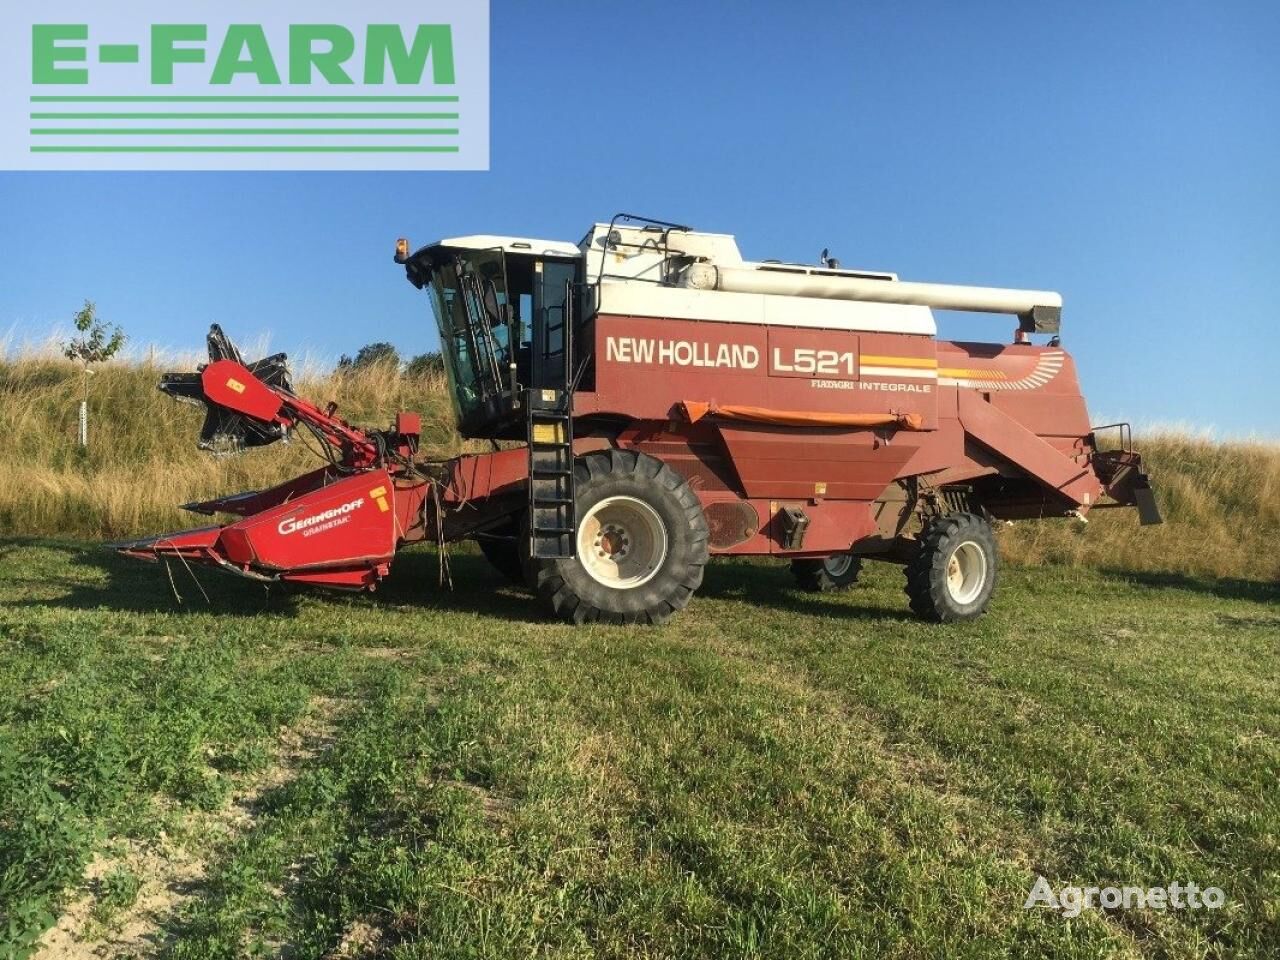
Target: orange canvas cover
695,410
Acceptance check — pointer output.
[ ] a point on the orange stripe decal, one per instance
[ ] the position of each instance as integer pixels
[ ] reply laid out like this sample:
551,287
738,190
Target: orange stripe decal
960,373
874,361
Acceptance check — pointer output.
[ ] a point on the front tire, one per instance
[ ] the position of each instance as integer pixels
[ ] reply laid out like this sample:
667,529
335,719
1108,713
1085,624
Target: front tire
838,572
952,576
641,544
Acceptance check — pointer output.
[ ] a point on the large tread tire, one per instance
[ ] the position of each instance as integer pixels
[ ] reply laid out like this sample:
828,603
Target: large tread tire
830,574
502,550
570,593
938,586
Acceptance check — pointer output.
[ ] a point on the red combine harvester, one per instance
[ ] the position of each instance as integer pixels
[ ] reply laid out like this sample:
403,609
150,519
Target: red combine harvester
675,402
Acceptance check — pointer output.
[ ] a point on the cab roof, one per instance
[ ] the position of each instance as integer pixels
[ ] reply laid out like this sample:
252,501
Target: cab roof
489,241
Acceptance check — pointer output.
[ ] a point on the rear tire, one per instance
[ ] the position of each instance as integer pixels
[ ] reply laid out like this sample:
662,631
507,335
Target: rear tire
838,572
641,544
952,576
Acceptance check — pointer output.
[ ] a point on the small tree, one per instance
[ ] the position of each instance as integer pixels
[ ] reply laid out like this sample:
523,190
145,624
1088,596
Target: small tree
425,366
97,342
371,354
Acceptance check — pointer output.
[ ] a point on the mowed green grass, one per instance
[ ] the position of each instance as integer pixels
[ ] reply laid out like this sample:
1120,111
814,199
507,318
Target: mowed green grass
773,774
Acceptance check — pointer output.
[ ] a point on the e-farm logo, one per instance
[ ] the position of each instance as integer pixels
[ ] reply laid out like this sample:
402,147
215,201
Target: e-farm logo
245,84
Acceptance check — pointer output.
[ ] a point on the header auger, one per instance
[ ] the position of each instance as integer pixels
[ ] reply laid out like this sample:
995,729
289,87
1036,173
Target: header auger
675,403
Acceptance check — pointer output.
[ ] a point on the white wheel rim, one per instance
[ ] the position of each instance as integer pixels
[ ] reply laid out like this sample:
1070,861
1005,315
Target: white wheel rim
838,565
622,542
966,572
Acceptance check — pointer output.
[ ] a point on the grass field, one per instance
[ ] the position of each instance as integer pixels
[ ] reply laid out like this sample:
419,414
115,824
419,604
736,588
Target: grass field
427,773
440,774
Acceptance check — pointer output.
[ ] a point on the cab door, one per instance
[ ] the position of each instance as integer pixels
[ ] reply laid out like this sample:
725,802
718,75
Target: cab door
554,286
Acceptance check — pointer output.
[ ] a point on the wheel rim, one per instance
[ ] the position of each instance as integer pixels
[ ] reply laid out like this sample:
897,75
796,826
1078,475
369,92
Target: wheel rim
622,542
966,572
838,566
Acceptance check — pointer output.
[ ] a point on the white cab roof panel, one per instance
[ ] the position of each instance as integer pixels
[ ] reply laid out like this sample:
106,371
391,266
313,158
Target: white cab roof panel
488,241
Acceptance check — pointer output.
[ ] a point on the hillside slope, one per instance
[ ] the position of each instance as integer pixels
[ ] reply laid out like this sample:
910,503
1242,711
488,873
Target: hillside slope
1221,500
142,459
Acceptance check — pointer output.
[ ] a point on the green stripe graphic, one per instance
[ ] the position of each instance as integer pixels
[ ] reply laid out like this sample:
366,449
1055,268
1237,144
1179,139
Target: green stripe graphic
246,99
244,149
240,131
291,130
244,116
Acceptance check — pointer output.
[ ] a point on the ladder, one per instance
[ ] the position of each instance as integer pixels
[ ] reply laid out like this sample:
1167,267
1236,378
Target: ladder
553,520
552,517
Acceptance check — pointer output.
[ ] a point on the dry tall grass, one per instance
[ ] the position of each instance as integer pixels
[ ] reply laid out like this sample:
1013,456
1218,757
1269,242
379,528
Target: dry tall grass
142,460
1221,506
1221,500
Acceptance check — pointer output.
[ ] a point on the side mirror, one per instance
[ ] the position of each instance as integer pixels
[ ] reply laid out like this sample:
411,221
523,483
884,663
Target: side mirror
489,293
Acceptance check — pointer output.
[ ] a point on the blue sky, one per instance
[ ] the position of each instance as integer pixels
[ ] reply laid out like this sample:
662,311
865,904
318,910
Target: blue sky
1126,154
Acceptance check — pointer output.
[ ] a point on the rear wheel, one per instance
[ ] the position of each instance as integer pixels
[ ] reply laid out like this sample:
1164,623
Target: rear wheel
953,573
641,543
837,572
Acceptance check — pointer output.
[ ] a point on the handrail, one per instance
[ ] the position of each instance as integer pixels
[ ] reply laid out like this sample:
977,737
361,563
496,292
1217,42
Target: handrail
1125,430
635,218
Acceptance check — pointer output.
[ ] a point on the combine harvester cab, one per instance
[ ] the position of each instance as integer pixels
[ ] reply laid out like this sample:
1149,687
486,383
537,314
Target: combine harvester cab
676,402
